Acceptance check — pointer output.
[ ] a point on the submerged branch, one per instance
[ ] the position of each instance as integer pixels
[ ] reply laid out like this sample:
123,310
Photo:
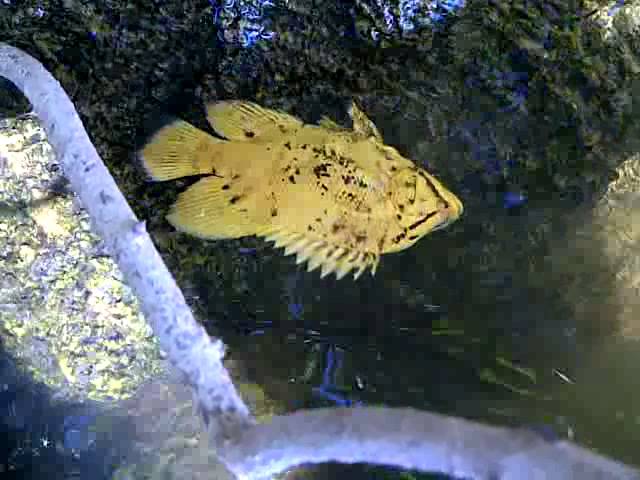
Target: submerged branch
413,439
186,342
403,438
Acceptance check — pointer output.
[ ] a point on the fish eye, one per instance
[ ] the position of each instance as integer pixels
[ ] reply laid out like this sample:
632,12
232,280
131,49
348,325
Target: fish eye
404,189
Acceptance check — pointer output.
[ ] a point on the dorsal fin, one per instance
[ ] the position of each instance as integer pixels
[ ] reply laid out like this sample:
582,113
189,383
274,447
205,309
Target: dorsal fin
216,208
319,253
246,121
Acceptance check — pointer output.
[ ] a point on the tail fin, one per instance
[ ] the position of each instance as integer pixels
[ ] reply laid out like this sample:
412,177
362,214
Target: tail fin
179,150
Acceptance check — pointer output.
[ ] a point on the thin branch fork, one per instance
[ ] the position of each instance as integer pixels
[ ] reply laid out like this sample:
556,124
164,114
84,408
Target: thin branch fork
400,437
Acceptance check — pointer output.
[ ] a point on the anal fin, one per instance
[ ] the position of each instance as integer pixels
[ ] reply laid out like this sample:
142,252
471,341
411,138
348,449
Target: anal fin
246,121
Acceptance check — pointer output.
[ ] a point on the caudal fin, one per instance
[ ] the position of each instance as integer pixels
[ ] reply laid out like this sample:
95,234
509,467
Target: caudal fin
179,150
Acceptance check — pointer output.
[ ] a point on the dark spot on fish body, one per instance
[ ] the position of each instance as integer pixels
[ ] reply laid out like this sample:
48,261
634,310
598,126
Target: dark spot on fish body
282,128
393,168
361,238
292,179
297,170
309,228
249,134
304,146
399,237
413,237
234,199
363,208
225,186
398,216
274,212
401,207
324,187
321,170
336,227
235,176
362,183
415,225
287,145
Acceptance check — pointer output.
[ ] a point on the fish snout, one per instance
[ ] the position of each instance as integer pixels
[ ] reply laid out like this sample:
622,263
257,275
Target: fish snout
448,213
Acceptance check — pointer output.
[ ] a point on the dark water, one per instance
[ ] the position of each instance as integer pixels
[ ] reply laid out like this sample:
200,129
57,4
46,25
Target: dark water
501,346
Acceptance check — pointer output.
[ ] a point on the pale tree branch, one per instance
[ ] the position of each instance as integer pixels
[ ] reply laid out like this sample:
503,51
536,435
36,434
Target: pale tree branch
404,438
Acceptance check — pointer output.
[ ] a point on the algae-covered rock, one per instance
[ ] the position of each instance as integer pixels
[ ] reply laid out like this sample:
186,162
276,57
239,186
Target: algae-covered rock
66,314
95,395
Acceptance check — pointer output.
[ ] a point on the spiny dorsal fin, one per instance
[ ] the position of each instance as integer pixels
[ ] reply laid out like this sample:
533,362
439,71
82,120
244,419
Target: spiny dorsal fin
361,265
344,266
319,257
307,251
362,125
331,263
286,239
297,246
319,253
246,121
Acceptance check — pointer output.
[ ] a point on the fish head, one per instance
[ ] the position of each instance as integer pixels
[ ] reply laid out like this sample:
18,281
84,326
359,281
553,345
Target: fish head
422,204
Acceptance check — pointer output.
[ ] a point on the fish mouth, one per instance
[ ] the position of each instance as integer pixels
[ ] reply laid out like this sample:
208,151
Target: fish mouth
456,209
449,214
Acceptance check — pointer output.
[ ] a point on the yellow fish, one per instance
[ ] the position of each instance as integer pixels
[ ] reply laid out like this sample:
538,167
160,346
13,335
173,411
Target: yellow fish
337,197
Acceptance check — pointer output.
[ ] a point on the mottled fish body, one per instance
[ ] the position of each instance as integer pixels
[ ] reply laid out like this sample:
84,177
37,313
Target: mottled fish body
338,198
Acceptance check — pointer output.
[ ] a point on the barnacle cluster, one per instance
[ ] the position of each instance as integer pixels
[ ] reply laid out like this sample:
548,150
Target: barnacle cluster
242,21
